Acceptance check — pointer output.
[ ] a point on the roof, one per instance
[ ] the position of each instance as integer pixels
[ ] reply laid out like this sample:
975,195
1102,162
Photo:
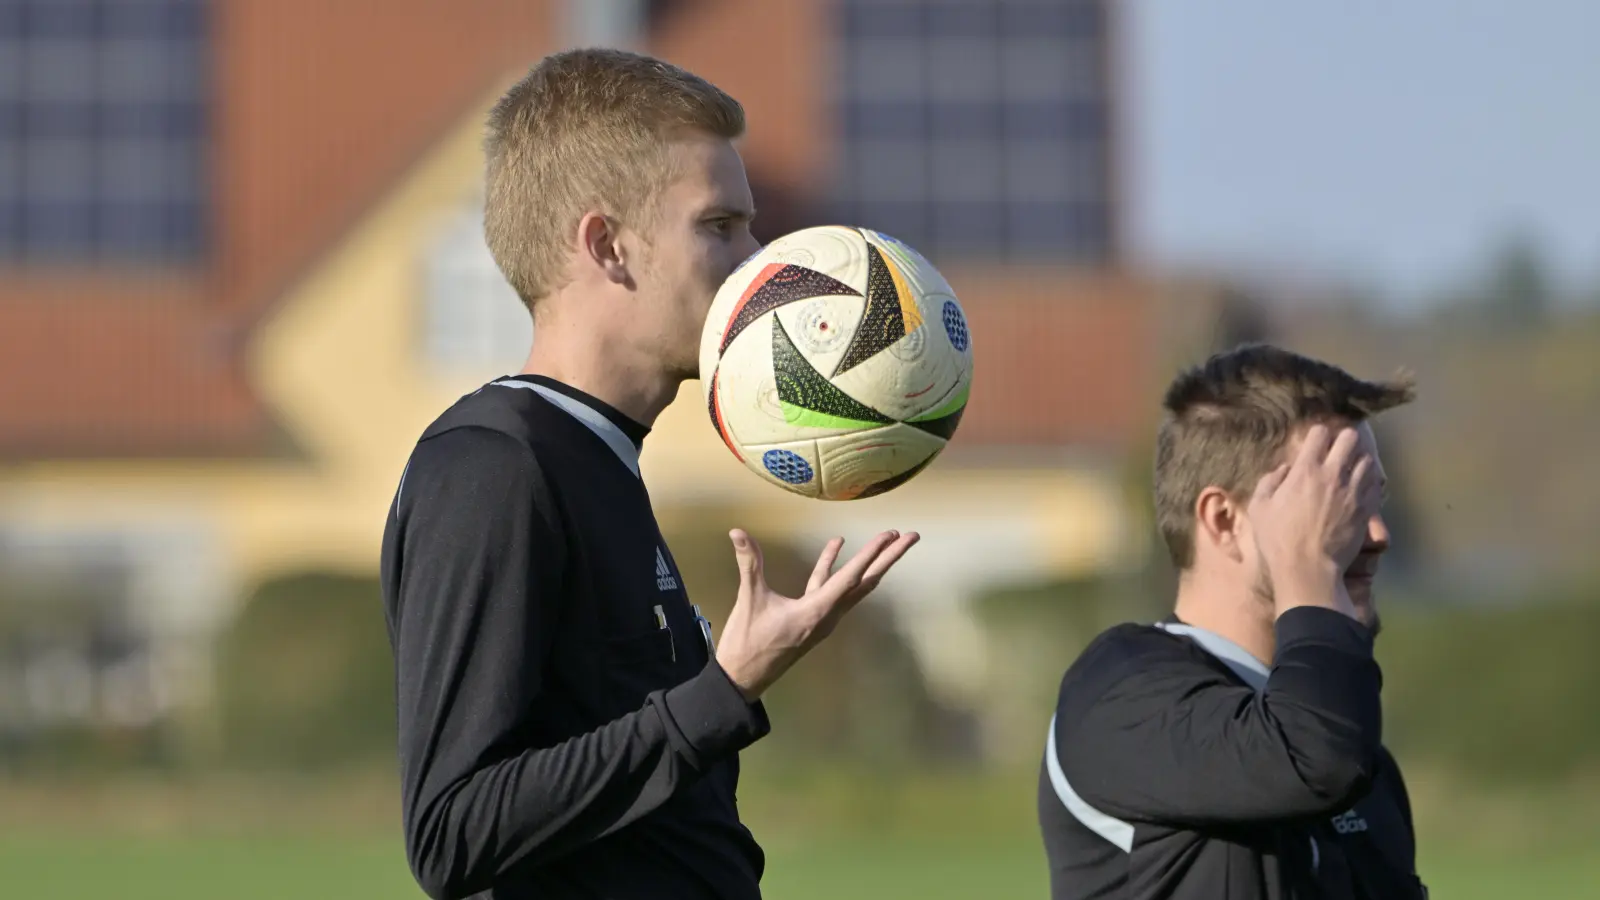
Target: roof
143,363
1061,357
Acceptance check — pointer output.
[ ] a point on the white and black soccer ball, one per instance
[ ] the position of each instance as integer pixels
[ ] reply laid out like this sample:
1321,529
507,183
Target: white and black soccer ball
836,362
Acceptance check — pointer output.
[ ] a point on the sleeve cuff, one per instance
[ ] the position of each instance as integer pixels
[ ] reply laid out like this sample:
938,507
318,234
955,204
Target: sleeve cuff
1306,625
709,719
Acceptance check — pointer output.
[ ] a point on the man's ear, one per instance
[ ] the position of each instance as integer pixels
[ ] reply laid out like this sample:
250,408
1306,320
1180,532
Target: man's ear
1220,522
600,248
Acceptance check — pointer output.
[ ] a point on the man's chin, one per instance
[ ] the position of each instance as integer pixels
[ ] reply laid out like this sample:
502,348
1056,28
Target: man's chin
1360,591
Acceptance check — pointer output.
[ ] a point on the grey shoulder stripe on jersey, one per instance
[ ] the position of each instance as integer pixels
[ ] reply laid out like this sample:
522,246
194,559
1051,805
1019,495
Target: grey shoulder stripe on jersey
1114,830
400,492
603,427
1118,832
1251,670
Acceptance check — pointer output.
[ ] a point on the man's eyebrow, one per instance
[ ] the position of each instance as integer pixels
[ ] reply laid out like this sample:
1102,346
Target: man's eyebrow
722,211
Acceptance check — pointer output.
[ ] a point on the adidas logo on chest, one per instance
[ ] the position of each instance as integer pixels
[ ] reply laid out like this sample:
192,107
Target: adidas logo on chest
665,579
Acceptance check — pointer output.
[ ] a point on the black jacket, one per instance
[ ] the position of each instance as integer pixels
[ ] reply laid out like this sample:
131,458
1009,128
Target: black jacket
1179,767
565,731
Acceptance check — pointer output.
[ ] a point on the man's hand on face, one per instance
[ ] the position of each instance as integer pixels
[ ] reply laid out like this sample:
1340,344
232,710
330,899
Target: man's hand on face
1309,518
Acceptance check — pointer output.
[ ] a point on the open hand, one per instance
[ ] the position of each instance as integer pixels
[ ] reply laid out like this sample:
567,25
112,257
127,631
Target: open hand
767,632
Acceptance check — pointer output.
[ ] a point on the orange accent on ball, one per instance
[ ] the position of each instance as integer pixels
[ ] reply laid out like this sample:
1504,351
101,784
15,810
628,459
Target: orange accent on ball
764,276
716,413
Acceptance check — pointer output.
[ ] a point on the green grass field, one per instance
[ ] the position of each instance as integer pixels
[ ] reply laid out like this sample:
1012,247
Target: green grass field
829,835
80,868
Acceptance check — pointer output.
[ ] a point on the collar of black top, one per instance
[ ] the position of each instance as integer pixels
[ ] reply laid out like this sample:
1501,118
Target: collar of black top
635,431
1249,669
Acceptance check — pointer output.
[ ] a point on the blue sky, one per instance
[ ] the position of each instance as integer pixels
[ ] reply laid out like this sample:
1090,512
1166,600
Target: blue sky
1388,141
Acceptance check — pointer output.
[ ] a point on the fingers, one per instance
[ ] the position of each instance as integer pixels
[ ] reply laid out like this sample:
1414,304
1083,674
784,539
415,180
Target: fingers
1360,489
849,577
1270,482
1369,484
748,554
1363,476
1314,447
1342,455
879,557
824,567
889,557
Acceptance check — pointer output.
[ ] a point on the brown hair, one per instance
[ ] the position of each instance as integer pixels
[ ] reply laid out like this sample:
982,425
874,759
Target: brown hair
1228,420
585,130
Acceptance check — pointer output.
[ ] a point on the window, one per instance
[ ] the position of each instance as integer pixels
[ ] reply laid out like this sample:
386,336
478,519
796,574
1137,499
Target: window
102,131
977,128
473,322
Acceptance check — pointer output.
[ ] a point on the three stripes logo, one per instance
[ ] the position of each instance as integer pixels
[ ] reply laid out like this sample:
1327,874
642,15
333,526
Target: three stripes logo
665,580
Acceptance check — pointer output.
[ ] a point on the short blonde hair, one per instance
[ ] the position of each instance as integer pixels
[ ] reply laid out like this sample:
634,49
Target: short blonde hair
583,130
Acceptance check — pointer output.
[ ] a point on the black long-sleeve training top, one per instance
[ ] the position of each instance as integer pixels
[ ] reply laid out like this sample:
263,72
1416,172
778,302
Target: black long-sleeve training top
1177,766
564,728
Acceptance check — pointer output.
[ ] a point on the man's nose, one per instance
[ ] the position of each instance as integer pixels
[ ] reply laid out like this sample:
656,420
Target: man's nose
1377,533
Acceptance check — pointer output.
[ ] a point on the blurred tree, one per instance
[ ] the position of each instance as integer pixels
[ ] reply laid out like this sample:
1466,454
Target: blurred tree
65,637
1514,291
1503,692
305,675
1519,288
1035,632
1241,319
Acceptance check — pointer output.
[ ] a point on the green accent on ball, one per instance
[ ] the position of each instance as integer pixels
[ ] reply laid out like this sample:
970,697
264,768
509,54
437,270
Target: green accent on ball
810,418
949,408
803,387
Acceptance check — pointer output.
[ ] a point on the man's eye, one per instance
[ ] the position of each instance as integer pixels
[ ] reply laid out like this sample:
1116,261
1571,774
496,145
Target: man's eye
721,226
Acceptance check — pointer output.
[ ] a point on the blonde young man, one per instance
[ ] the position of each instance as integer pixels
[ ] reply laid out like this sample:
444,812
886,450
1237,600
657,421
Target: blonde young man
568,728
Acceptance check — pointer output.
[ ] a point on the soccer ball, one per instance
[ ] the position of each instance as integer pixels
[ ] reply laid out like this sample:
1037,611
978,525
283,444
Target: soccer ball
835,363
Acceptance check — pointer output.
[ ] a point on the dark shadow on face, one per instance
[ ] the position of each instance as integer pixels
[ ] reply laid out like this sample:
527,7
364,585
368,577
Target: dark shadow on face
1358,583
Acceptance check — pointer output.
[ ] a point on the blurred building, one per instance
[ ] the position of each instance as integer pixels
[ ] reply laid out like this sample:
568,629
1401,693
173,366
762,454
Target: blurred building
243,268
